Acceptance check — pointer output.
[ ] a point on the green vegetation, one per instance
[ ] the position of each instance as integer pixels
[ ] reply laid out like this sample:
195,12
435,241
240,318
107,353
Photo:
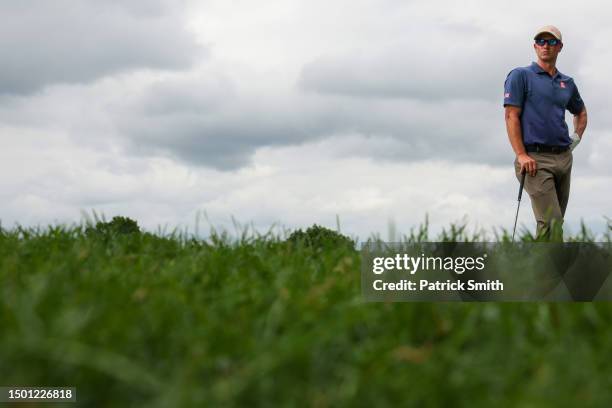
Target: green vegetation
132,318
318,237
117,226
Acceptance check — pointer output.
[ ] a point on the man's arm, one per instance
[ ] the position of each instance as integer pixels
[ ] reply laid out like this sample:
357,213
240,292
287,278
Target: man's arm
576,106
580,122
513,127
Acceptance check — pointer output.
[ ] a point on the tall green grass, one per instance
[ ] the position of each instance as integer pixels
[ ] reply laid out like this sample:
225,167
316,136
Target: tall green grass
252,320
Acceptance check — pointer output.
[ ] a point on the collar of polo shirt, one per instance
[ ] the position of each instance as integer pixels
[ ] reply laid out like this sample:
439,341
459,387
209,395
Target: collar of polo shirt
538,70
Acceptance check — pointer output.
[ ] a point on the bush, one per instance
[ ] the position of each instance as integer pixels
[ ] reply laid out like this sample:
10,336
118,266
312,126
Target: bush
117,226
320,237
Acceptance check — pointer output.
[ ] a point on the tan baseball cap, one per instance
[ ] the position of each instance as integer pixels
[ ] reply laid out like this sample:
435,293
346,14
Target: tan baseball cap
550,29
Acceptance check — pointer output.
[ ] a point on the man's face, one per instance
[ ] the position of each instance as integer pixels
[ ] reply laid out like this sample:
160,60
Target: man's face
547,52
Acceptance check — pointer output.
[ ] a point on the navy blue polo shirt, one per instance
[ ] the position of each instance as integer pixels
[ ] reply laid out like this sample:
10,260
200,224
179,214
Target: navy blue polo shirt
543,100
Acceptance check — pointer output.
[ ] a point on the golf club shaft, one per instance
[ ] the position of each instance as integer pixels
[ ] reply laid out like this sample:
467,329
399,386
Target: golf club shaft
520,194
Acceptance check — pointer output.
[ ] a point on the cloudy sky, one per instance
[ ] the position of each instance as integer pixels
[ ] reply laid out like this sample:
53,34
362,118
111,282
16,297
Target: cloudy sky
284,112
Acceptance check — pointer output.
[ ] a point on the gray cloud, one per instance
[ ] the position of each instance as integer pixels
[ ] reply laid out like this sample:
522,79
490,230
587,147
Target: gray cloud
205,121
465,65
69,41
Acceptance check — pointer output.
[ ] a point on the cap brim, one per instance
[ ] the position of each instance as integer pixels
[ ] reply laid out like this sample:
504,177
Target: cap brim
546,32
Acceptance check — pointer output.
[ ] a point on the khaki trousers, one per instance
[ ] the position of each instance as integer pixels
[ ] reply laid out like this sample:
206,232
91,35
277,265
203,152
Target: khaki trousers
548,189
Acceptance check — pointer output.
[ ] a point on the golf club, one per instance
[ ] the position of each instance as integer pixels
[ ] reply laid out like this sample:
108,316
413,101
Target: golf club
523,173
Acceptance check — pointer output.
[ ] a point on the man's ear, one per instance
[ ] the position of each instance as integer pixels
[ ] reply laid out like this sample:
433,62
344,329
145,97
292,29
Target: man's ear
560,46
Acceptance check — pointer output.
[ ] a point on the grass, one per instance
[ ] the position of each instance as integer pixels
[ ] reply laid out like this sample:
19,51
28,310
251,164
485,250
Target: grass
142,319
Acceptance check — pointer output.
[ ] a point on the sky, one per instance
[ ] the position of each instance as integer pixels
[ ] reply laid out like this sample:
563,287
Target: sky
280,114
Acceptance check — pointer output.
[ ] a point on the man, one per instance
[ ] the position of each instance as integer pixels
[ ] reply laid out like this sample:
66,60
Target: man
535,100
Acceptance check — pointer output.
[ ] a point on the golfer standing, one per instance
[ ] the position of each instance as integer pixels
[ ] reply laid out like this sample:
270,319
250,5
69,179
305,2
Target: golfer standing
535,100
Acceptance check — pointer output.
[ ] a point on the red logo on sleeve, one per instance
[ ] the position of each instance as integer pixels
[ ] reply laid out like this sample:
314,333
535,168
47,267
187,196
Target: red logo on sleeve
507,95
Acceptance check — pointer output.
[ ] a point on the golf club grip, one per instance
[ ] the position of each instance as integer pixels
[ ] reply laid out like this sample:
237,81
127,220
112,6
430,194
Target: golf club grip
522,184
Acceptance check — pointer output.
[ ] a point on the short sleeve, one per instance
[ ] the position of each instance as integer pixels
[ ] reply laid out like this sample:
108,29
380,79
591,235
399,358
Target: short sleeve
514,88
575,104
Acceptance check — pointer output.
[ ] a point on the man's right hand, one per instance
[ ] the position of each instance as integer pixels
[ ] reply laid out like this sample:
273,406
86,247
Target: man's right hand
527,163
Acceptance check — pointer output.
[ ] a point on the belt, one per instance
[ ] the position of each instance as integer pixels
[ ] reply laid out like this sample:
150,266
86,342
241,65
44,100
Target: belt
540,148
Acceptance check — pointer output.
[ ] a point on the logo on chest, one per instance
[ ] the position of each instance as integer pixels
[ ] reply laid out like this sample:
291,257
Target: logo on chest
562,84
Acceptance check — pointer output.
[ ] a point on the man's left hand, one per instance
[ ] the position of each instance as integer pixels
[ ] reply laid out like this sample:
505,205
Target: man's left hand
575,140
